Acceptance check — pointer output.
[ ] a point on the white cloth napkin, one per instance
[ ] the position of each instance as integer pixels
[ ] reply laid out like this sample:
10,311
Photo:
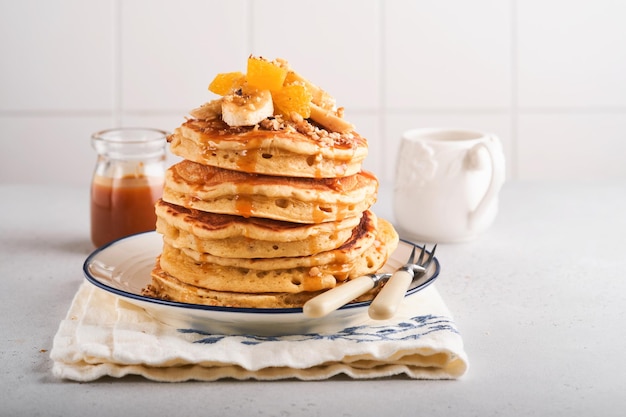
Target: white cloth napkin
104,335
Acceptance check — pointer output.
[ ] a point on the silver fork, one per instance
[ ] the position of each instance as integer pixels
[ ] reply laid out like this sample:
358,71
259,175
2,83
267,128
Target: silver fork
339,296
387,301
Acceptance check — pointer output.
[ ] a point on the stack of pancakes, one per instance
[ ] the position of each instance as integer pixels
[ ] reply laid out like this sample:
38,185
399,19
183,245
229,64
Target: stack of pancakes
265,216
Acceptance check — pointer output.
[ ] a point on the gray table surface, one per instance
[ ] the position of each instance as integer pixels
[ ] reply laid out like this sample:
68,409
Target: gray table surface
540,300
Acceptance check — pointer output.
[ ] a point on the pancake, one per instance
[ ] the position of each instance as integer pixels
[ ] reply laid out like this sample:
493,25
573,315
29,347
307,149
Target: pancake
165,286
299,200
238,237
169,287
290,274
271,148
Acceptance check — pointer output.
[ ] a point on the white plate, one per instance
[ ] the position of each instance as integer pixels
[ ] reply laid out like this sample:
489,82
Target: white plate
123,269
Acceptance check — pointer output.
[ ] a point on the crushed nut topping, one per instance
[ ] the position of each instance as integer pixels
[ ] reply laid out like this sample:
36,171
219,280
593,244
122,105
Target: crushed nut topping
315,271
273,123
319,134
308,110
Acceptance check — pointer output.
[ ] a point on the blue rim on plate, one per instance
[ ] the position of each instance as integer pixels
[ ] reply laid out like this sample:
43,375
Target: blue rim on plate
421,284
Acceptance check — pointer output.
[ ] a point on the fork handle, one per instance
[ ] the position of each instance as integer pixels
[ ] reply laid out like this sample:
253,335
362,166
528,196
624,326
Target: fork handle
390,296
332,299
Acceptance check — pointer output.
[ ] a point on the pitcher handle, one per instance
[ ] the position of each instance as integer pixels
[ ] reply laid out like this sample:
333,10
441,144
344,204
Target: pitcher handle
498,175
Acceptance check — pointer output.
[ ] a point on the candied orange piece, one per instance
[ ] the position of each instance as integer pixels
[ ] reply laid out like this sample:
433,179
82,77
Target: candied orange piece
294,97
227,82
320,97
265,75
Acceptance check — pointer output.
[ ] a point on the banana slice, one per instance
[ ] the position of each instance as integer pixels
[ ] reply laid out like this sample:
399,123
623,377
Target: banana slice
208,111
330,120
244,108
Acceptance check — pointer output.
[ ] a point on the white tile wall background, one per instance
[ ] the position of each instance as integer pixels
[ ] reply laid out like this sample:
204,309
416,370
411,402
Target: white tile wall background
547,76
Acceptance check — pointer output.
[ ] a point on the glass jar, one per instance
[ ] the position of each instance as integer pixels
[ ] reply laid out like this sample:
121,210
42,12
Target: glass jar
127,182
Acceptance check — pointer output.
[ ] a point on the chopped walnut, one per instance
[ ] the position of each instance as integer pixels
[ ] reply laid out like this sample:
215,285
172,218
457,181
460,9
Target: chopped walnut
281,63
315,271
296,117
272,123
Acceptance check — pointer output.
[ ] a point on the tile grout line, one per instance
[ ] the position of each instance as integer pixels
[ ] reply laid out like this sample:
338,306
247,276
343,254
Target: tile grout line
373,111
514,96
249,27
382,111
117,63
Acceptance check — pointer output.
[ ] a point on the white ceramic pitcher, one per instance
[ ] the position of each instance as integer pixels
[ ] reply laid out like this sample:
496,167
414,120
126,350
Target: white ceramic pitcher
447,184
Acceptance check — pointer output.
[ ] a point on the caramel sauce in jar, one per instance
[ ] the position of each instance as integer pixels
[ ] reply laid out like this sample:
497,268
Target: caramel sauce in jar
127,182
123,206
